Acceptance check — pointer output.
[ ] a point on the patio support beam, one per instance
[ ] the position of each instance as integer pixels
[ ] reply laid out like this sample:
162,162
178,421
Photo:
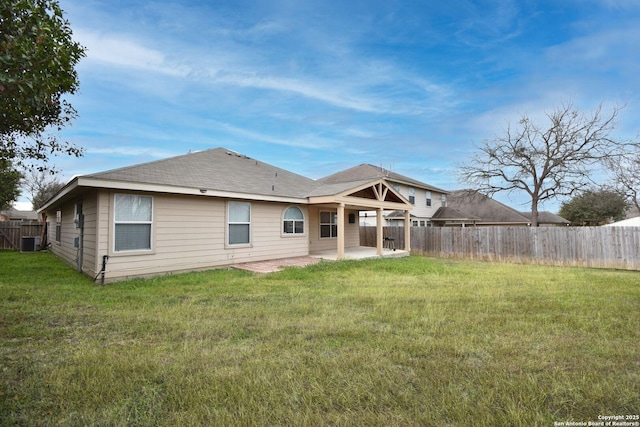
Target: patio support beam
379,232
407,231
341,220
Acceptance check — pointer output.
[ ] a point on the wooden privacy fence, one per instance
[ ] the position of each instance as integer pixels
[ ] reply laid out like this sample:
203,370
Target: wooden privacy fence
599,247
12,232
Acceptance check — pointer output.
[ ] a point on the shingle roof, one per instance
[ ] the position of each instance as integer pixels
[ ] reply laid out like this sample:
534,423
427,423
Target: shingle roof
452,214
368,172
225,170
546,217
216,169
471,202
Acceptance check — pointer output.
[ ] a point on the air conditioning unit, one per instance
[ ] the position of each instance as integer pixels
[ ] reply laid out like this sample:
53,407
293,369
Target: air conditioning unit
30,244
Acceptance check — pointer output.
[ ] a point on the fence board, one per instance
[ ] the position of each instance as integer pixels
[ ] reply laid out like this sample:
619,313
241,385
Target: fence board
12,232
599,247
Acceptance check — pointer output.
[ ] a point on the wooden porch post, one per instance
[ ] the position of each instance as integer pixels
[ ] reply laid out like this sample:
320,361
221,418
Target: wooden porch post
379,232
407,231
340,252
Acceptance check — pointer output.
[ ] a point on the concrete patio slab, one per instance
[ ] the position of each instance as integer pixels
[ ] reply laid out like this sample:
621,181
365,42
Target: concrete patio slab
361,252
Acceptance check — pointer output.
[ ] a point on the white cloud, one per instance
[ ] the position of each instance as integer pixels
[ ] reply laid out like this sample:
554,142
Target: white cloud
123,51
132,151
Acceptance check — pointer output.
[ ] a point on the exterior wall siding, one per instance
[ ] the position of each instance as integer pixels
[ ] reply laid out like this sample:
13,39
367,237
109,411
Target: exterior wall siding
189,233
317,244
68,232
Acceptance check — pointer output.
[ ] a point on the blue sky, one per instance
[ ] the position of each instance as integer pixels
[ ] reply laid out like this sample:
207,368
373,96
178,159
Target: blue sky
322,85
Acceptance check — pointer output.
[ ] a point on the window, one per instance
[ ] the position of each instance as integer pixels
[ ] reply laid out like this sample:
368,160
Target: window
443,200
293,221
328,224
422,223
239,223
414,223
133,220
428,198
58,225
412,195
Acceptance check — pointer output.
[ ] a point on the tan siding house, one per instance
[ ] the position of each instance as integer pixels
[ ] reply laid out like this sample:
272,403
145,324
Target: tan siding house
205,210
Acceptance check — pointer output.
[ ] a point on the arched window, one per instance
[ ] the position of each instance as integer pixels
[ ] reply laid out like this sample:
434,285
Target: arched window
293,221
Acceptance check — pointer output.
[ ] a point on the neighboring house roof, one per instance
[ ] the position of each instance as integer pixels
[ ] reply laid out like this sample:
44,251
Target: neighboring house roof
546,217
471,203
453,215
398,215
368,172
629,222
16,215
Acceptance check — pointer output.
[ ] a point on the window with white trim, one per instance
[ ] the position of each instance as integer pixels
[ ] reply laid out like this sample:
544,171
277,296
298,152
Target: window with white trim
293,221
239,223
133,220
428,198
412,195
328,224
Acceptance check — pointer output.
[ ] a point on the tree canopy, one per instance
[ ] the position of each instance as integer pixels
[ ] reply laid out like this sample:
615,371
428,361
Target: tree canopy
545,162
37,69
594,207
9,184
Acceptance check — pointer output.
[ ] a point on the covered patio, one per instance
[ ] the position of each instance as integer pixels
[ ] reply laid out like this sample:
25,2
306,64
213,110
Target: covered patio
345,200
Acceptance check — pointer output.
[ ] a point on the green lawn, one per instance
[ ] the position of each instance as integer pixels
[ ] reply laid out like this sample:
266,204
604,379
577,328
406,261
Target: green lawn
412,341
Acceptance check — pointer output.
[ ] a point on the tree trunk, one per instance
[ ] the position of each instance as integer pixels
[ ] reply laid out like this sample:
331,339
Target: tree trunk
534,212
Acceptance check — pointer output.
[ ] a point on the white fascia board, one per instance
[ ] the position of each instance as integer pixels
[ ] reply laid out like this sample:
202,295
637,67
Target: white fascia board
204,192
71,185
423,186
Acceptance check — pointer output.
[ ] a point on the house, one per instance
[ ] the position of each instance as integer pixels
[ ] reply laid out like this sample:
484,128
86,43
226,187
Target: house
546,218
16,215
629,222
472,208
208,209
425,198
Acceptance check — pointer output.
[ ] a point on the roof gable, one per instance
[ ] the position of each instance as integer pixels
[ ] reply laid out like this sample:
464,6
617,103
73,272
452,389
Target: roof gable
369,172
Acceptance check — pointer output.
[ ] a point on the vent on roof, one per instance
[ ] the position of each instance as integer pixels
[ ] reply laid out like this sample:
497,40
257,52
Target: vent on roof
235,153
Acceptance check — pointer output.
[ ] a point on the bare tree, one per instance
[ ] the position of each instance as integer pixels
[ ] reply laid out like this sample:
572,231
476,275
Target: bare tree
626,174
545,163
41,185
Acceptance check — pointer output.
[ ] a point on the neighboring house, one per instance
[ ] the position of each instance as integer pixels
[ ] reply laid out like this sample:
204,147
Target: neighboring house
629,222
471,208
546,218
425,198
16,215
208,209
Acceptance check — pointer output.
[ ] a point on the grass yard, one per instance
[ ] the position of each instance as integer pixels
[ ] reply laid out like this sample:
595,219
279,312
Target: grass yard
412,341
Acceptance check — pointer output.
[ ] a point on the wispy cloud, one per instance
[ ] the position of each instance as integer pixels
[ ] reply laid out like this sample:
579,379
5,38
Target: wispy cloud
126,151
123,51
